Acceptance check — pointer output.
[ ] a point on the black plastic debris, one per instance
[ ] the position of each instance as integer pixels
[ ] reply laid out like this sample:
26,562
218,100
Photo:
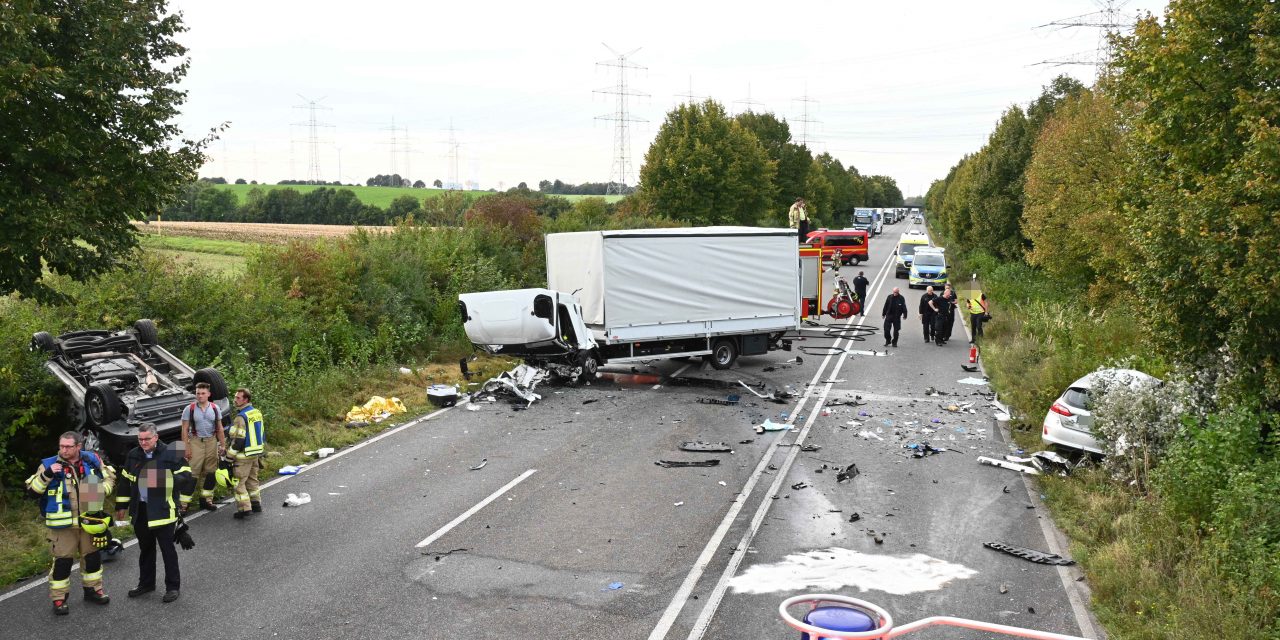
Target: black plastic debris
799,485
848,473
705,447
730,401
591,400
923,449
971,368
748,441
1030,554
854,517
673,464
689,381
810,448
480,466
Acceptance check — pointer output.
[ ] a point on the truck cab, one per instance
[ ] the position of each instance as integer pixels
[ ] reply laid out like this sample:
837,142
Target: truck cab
864,219
536,324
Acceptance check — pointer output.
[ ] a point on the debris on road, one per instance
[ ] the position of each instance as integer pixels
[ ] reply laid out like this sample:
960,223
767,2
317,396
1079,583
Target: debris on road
674,464
730,401
770,425
297,500
982,380
480,466
799,485
1004,464
971,368
325,452
867,435
848,473
854,517
681,503
441,554
519,382
707,447
612,586
924,449
289,470
376,409
1030,554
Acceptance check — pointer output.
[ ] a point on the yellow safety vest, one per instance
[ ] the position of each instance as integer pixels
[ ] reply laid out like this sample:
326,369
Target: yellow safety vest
251,441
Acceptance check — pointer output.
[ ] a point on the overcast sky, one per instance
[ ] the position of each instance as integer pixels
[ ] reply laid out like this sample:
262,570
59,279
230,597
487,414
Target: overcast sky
895,88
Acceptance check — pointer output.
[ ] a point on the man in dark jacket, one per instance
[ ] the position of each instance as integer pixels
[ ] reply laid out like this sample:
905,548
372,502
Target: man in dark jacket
860,287
953,301
942,311
926,312
154,480
895,311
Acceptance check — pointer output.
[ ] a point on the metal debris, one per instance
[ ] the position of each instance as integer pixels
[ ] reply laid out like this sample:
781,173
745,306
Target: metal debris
707,447
1030,554
674,464
1004,464
848,473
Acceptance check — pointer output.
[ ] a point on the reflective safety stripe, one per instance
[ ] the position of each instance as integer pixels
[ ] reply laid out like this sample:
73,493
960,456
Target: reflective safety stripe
123,500
254,438
37,482
129,476
61,585
92,576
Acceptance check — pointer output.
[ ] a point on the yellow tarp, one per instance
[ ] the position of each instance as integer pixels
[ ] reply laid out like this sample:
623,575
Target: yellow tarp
376,409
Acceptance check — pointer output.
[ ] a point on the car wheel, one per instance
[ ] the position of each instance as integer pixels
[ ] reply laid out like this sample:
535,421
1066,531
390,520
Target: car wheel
589,364
723,354
101,404
146,331
217,386
42,341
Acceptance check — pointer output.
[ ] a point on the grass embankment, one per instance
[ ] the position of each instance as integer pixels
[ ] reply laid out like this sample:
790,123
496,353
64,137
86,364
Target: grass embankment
378,196
315,423
216,256
1157,569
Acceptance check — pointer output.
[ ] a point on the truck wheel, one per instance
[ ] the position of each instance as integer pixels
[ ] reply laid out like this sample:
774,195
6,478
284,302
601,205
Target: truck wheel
723,354
589,363
101,404
146,331
217,386
42,341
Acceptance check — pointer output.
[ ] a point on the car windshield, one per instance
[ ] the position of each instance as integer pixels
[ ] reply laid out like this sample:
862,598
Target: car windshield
1077,397
907,249
862,219
930,260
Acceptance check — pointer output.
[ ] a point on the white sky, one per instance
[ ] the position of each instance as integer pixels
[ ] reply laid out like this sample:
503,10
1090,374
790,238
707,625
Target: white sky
901,89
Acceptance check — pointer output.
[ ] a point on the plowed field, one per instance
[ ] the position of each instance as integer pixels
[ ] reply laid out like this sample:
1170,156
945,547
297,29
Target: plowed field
250,231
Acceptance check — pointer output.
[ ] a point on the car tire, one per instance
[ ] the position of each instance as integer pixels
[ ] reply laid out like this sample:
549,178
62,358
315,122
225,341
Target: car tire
101,404
42,341
724,352
217,385
589,364
146,331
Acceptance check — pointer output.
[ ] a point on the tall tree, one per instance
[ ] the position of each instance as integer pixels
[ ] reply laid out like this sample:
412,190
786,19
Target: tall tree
1200,96
1073,215
792,161
706,168
87,90
996,212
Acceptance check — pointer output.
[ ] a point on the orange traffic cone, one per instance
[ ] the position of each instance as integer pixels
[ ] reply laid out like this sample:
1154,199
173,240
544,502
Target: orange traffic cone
973,354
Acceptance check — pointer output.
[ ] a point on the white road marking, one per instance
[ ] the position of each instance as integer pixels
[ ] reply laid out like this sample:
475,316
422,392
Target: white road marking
472,511
76,567
682,595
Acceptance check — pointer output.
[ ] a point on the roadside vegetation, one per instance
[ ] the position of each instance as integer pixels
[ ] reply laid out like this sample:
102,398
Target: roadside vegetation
1133,224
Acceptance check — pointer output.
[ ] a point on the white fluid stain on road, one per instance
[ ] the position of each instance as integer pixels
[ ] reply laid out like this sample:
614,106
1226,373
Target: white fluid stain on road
829,570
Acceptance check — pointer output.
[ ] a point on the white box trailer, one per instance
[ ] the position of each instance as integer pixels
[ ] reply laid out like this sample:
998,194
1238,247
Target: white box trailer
633,295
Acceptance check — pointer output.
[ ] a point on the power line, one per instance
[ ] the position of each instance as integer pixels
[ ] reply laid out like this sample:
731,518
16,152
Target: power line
690,98
452,156
748,101
313,136
1108,22
805,120
620,174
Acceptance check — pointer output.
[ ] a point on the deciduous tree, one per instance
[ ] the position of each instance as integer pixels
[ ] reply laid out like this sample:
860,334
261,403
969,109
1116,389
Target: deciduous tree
88,96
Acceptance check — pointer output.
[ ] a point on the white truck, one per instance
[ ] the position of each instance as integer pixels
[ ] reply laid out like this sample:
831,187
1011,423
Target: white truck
638,295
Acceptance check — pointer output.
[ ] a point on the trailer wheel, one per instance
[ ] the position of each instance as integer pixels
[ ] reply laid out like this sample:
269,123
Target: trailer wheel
723,354
101,404
589,364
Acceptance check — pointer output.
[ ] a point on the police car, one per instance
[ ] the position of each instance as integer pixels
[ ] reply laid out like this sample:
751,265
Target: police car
929,267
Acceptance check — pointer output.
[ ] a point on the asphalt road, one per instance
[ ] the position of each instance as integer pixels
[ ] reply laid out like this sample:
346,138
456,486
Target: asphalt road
569,529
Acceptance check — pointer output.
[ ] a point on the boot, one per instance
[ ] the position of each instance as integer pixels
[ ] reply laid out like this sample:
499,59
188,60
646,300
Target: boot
257,506
96,595
241,515
208,505
60,607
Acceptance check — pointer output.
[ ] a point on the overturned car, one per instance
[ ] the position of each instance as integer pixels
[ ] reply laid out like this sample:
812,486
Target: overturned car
119,379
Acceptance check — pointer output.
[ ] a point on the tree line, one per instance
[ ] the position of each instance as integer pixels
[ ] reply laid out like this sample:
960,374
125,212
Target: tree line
1152,198
707,167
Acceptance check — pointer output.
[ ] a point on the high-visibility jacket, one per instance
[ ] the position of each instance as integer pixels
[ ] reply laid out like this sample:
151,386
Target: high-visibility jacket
976,307
248,437
164,477
71,492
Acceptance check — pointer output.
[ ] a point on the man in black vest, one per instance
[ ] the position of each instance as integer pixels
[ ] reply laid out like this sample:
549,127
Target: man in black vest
860,287
927,313
154,480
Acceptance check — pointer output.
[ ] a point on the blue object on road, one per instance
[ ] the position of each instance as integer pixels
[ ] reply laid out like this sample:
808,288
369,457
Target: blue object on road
838,619
613,586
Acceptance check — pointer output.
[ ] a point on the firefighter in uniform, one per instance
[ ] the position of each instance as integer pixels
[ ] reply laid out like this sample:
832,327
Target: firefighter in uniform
248,442
74,485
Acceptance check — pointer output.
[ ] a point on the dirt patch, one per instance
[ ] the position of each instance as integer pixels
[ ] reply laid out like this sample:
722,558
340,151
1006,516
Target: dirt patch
251,231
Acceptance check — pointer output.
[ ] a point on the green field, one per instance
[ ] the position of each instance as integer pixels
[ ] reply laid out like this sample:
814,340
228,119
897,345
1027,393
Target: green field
377,196
221,256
